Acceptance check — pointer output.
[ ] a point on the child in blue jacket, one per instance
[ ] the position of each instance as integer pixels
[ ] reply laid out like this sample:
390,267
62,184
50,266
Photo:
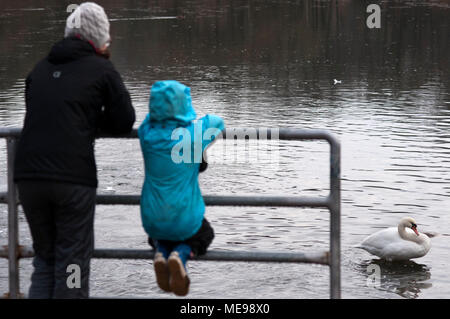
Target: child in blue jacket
172,206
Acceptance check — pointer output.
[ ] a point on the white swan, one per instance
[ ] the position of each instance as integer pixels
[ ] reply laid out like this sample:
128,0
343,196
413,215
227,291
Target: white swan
401,243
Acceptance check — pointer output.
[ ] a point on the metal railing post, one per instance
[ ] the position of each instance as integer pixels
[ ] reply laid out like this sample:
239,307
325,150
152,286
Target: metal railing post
335,219
13,223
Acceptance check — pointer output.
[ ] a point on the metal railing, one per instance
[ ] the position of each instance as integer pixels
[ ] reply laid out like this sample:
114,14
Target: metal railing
14,251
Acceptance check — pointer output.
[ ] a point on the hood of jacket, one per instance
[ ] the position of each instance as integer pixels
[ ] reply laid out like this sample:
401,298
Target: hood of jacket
70,49
171,101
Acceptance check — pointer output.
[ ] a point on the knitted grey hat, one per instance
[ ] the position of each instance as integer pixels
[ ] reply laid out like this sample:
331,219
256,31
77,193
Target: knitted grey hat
89,21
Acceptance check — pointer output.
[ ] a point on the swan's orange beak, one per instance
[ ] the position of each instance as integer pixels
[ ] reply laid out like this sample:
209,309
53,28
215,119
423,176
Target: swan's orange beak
415,230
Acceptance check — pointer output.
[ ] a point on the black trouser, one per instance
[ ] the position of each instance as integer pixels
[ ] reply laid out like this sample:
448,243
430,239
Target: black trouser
61,220
199,242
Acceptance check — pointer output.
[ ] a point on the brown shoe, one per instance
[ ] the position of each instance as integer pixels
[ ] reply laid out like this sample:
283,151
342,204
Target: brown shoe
161,272
179,280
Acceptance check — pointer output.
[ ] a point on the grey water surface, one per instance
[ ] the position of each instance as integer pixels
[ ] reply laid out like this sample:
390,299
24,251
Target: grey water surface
271,64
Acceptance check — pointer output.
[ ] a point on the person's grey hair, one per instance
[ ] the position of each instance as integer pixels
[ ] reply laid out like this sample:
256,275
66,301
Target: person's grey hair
89,22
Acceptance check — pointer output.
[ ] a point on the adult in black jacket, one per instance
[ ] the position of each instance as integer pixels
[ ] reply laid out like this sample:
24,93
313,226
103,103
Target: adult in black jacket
70,96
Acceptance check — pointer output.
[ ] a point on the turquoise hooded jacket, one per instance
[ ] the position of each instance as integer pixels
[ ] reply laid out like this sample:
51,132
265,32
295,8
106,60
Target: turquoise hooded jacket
172,206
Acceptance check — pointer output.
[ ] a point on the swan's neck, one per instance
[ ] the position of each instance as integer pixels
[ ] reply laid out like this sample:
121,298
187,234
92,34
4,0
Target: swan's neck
407,235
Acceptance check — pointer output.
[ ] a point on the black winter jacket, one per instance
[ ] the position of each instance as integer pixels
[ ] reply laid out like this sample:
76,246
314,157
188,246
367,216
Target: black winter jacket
70,95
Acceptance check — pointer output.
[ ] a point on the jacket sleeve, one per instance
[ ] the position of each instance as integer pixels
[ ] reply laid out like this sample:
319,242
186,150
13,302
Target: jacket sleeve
118,115
212,126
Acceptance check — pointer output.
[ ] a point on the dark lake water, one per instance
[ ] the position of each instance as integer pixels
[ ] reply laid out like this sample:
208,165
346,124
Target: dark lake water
272,64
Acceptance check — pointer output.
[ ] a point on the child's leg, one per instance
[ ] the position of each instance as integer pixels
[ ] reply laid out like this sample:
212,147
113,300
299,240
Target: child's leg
184,252
160,264
162,248
179,280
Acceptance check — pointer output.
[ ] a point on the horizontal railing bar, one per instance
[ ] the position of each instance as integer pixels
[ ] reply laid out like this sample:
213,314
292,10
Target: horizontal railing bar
23,252
229,133
211,255
210,200
215,255
294,257
279,133
10,132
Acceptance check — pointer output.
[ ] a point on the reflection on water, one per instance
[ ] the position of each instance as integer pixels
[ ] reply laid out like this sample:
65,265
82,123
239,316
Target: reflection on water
272,64
406,278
